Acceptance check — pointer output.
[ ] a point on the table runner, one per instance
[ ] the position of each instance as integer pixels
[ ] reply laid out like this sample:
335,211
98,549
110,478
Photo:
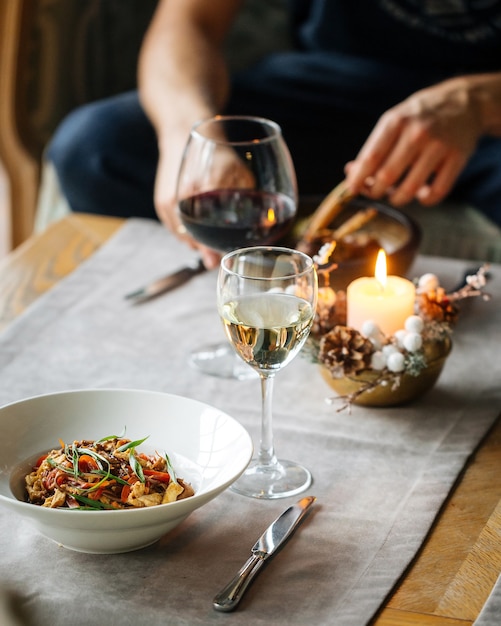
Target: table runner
380,475
490,615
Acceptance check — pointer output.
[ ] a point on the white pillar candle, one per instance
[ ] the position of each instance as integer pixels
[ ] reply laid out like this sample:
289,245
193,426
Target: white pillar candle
386,300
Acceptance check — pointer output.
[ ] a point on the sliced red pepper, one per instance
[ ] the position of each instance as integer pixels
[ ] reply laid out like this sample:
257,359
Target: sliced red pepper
61,478
95,495
125,493
41,460
86,463
163,477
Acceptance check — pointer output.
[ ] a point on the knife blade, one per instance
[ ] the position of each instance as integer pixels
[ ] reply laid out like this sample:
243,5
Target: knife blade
167,283
270,541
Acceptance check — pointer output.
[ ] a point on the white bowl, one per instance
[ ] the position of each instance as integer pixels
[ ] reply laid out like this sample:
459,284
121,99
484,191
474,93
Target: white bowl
207,447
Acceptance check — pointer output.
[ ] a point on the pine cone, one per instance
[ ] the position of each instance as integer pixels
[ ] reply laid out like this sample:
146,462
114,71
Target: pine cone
435,306
344,351
327,317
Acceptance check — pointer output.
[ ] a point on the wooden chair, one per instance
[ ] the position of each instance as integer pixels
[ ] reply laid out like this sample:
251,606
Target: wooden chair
19,160
54,56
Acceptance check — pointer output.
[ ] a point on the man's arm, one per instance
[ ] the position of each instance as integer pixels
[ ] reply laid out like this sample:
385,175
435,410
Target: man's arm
182,77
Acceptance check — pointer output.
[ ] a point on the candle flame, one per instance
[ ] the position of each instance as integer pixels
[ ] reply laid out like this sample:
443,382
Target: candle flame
271,216
380,271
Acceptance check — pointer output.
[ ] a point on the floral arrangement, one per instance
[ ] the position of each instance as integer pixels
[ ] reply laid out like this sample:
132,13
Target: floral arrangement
346,352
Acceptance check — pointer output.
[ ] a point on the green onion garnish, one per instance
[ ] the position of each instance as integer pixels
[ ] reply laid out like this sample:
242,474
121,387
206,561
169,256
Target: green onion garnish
135,465
132,444
170,469
92,504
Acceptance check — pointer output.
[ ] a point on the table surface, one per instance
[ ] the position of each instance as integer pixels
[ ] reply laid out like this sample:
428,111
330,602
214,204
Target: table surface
458,564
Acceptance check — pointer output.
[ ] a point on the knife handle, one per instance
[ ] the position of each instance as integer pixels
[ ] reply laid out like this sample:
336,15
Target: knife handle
228,598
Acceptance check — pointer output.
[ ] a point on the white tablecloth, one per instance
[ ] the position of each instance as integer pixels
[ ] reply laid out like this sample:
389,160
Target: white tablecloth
380,475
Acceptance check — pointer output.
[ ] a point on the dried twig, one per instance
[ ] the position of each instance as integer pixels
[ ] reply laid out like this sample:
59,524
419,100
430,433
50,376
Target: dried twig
327,210
354,223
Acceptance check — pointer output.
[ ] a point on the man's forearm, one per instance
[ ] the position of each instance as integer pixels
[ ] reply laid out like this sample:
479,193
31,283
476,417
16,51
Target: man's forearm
485,91
182,73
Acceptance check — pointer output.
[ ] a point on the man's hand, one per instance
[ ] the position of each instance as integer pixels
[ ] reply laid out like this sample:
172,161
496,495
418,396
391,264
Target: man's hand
166,206
223,170
419,147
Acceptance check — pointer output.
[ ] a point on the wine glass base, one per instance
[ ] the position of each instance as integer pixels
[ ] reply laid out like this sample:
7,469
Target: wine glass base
220,360
269,482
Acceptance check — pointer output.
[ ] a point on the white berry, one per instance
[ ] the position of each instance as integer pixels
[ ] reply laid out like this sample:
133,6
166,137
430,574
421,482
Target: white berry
370,329
395,362
399,337
377,342
427,282
414,324
413,342
378,361
389,349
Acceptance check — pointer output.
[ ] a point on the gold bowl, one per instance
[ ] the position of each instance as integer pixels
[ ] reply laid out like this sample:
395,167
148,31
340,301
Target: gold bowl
364,389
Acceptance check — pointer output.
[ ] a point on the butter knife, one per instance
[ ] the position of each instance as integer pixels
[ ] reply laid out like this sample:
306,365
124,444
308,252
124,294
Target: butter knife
167,283
269,542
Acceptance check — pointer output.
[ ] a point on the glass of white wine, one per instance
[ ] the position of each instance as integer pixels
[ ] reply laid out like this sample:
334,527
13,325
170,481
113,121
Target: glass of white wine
267,300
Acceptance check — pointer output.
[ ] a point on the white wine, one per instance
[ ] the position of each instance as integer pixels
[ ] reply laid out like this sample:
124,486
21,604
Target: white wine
266,298
267,329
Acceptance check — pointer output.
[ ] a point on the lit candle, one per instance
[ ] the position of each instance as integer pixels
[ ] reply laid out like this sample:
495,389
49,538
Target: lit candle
386,300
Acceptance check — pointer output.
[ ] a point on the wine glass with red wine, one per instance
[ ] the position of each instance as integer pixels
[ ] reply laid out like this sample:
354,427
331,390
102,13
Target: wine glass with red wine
236,188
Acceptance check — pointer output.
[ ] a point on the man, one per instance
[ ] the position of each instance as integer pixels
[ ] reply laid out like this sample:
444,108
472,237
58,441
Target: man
404,97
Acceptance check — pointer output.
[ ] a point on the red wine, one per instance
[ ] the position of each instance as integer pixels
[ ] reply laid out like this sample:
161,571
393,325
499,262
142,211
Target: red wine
225,219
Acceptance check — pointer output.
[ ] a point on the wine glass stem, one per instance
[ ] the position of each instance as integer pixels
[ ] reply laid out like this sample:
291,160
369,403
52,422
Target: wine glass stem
266,455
